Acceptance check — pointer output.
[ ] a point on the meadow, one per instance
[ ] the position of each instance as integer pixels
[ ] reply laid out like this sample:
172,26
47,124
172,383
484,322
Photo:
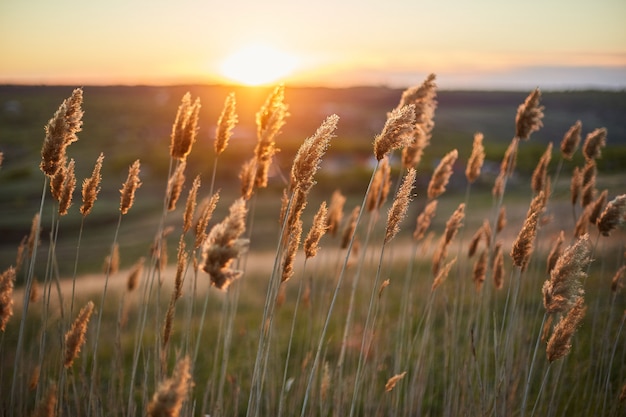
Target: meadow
315,252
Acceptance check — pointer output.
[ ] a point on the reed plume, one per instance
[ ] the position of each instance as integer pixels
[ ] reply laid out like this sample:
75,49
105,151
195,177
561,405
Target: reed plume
349,229
565,283
129,187
91,187
498,266
453,225
75,336
576,185
613,215
292,248
501,223
58,179
190,205
523,245
442,174
247,175
476,159
135,273
540,174
185,127
7,280
61,132
269,120
571,140
381,184
397,131
398,210
616,284
594,142
423,97
48,405
555,252
225,124
318,229
169,397
33,235
335,212
112,261
597,206
224,244
391,382
424,219
442,274
206,213
309,155
480,270
175,185
67,192
529,115
560,343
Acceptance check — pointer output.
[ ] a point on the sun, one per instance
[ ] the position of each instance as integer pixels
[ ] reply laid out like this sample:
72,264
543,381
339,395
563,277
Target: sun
258,64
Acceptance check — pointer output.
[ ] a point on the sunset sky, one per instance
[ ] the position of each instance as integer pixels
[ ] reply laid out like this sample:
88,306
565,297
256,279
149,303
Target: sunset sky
468,44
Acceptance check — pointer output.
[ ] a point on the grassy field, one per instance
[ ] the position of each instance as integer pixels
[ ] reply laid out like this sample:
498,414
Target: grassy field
375,323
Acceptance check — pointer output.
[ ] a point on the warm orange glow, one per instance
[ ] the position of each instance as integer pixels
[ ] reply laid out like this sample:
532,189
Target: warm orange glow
258,64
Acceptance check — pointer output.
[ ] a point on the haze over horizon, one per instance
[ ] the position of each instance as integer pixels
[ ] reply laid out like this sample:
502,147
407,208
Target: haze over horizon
486,44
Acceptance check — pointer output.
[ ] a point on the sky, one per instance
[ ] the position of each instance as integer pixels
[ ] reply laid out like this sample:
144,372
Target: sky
471,44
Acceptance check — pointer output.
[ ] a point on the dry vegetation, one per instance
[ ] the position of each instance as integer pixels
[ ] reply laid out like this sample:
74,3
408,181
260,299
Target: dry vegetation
522,316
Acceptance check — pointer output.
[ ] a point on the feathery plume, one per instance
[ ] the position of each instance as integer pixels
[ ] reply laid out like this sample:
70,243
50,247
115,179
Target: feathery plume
397,131
594,142
501,223
318,229
615,281
61,132
7,280
335,212
476,159
130,186
397,212
391,382
555,252
169,397
597,206
307,159
576,185
442,174
523,245
292,248
423,98
424,219
181,266
560,343
67,191
529,115
442,274
349,230
480,270
185,127
206,213
381,184
75,336
47,406
564,286
473,245
112,261
247,176
224,244
134,275
613,215
91,187
58,179
452,226
269,120
498,267
582,224
571,140
540,174
190,206
175,185
33,235
225,124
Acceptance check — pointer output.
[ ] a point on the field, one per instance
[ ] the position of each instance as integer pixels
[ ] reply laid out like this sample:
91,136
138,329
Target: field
382,320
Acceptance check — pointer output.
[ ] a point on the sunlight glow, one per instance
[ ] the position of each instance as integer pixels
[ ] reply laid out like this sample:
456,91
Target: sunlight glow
258,64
